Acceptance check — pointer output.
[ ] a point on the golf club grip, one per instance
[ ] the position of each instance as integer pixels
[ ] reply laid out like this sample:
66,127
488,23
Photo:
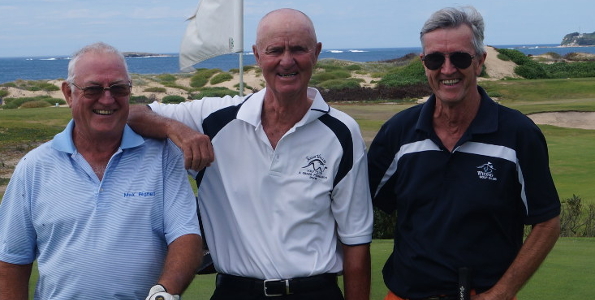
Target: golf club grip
464,289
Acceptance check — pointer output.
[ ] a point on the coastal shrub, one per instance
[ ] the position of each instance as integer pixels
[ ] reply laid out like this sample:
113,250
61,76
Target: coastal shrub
571,70
12,103
139,100
531,70
576,220
201,77
166,78
35,104
353,67
173,99
155,89
9,84
213,92
53,101
318,78
237,70
384,225
410,74
237,86
35,85
573,56
503,57
554,55
221,77
341,83
4,93
515,56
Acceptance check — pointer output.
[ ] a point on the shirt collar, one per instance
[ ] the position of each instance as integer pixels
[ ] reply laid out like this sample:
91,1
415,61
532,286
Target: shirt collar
251,108
63,141
486,120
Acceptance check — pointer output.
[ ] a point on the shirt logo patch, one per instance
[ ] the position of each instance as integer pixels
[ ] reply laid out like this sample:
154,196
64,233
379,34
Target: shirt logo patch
486,171
315,167
139,194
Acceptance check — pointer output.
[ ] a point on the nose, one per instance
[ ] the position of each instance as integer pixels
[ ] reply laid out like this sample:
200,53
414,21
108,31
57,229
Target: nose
106,96
447,66
287,58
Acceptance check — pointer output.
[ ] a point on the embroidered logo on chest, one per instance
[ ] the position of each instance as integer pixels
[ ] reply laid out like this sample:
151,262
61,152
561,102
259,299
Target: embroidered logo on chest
315,167
486,171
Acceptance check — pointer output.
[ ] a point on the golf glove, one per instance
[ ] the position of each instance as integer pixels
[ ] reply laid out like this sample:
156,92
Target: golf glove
158,292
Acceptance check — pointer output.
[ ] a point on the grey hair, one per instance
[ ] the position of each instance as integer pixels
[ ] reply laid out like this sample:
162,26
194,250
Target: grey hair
99,47
451,17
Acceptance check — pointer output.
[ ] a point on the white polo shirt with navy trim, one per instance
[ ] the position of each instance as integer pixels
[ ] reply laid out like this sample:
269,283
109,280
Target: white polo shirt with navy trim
96,239
279,213
465,208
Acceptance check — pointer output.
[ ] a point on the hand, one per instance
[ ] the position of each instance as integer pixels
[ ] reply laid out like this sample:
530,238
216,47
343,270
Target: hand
158,292
197,148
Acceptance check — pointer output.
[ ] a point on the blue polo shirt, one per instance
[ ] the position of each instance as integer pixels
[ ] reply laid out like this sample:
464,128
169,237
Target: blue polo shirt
465,208
96,239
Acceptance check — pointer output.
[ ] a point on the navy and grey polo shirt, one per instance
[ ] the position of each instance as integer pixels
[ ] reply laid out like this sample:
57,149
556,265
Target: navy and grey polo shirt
465,208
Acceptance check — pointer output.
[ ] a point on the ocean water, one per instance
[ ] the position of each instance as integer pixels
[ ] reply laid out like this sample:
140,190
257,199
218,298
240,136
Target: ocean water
47,68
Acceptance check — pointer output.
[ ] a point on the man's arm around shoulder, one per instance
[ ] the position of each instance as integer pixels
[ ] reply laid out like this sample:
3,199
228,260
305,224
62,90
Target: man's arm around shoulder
197,148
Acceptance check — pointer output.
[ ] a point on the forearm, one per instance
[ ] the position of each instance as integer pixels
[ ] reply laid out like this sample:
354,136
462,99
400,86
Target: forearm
356,272
535,249
184,256
14,281
147,123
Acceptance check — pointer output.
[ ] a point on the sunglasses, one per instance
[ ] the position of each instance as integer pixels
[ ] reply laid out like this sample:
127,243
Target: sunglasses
94,92
461,60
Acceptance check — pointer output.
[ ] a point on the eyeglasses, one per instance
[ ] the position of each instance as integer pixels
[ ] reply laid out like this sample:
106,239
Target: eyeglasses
461,60
95,91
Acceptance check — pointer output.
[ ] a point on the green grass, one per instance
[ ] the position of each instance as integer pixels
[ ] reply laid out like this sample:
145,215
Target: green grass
567,273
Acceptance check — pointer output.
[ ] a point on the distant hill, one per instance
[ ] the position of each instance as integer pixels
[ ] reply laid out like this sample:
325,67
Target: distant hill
579,39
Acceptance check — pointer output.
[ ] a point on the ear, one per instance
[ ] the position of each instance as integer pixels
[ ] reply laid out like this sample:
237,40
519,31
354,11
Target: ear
256,54
318,48
67,92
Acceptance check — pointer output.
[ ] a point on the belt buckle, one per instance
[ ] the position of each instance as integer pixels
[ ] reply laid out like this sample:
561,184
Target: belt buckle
266,292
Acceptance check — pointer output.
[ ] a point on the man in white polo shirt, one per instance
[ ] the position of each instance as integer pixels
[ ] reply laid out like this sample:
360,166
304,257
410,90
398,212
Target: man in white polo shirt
285,204
106,213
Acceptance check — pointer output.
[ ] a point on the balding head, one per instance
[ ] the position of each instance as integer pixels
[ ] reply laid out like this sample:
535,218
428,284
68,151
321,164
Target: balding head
284,20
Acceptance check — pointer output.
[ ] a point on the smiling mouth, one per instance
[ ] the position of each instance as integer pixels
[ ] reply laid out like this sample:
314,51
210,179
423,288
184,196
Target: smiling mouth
288,75
450,81
103,112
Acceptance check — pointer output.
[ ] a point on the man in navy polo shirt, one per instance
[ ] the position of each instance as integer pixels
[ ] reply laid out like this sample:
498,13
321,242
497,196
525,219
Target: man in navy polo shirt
464,175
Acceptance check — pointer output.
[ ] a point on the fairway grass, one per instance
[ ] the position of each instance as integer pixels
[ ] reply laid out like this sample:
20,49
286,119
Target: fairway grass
568,273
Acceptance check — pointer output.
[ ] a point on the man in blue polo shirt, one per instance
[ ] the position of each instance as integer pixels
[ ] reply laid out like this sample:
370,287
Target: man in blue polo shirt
464,175
106,213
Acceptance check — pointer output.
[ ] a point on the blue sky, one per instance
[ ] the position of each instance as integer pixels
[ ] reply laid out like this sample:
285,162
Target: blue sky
59,27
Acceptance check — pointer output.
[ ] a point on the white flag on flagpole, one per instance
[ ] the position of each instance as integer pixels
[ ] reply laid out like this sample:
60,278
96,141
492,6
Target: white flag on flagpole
215,29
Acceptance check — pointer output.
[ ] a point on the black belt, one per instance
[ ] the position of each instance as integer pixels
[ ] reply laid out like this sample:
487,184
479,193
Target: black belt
277,287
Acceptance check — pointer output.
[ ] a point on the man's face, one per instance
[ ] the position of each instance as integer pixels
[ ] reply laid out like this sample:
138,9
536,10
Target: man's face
287,52
450,84
102,116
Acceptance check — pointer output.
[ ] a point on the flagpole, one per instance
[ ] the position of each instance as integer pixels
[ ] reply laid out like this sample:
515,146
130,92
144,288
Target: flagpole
242,49
241,73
